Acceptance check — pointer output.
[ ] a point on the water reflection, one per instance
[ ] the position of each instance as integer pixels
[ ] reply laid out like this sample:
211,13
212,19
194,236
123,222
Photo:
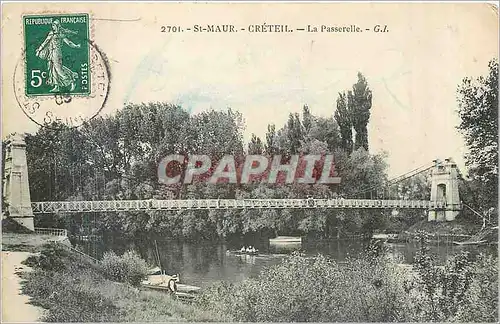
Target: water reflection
245,258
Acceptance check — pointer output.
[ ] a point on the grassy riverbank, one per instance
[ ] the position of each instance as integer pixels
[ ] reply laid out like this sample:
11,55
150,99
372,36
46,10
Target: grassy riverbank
366,288
24,242
73,289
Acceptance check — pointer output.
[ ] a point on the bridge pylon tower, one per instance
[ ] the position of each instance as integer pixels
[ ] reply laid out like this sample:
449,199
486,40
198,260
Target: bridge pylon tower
16,191
444,188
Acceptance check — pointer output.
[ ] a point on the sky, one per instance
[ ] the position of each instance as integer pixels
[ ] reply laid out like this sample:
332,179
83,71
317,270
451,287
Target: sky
413,69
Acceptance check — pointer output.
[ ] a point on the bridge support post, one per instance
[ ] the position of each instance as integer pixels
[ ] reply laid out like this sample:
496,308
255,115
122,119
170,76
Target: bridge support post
444,188
16,189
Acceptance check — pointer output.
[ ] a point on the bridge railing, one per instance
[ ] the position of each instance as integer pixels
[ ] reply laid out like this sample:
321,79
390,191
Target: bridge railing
51,231
153,204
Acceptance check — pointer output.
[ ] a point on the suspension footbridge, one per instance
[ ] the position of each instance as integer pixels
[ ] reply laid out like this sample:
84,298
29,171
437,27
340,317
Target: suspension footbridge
444,202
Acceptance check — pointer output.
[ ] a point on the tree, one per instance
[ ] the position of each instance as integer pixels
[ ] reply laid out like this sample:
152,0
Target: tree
326,130
359,105
271,146
417,187
295,133
255,146
478,110
307,118
343,119
116,157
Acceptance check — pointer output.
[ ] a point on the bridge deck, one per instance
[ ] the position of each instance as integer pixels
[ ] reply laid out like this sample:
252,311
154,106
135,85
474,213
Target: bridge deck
152,204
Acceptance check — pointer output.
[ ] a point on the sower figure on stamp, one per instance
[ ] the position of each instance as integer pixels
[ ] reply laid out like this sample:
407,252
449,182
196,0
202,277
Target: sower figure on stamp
59,75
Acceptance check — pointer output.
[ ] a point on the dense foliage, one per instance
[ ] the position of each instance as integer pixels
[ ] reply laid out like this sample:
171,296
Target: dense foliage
465,289
129,267
315,289
116,157
478,110
370,288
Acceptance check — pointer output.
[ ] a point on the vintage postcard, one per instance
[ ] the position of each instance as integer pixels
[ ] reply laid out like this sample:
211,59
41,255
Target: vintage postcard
249,162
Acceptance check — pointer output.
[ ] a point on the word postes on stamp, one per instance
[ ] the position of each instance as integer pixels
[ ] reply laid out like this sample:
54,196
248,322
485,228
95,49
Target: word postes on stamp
61,76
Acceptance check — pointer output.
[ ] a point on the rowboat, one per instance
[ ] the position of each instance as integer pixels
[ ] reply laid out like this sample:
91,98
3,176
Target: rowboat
239,252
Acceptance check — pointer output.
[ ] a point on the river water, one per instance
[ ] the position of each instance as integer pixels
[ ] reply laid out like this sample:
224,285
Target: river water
204,263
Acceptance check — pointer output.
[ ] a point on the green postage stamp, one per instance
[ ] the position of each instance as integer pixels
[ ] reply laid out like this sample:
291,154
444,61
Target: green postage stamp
57,54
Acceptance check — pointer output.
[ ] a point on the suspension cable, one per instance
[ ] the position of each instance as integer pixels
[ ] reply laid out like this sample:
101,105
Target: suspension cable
475,212
398,179
411,173
394,181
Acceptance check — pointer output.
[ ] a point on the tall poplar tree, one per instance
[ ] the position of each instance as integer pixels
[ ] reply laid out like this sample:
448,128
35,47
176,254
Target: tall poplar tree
359,105
344,121
307,118
271,146
295,133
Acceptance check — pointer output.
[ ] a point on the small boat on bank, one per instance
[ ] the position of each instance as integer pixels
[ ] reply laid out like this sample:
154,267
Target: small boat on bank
471,242
154,271
171,285
161,282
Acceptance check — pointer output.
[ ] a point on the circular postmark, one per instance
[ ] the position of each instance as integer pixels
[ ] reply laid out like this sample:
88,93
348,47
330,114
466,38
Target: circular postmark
81,100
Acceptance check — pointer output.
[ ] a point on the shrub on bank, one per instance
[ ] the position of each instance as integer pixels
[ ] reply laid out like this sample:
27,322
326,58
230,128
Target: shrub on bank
370,288
465,289
129,267
480,301
50,258
76,291
316,290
